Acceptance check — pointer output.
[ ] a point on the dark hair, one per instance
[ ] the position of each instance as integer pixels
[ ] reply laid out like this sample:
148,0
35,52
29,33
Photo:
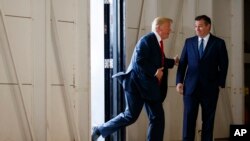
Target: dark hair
203,17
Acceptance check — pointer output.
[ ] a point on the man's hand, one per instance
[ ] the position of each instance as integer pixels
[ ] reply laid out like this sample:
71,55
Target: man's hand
176,60
179,88
159,74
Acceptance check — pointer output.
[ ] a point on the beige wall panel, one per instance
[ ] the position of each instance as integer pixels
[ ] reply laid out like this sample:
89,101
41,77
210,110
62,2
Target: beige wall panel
221,26
229,48
24,42
130,44
173,106
138,130
172,76
187,20
151,14
19,35
11,123
66,33
17,7
11,126
58,127
205,7
7,71
223,114
83,69
169,8
65,9
133,12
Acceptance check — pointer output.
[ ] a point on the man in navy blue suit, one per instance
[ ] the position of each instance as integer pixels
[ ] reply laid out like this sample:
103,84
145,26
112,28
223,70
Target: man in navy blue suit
201,74
144,83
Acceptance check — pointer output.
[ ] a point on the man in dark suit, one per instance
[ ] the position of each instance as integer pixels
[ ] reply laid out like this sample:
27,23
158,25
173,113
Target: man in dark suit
201,73
144,83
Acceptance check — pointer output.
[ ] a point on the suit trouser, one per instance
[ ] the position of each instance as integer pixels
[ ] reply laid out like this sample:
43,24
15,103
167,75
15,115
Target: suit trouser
191,107
134,104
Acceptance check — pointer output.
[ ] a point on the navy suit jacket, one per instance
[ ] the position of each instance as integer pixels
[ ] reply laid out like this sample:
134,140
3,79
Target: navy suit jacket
210,71
145,61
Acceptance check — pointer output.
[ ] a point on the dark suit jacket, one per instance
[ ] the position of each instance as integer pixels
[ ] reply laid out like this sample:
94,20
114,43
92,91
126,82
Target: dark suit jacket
145,61
210,71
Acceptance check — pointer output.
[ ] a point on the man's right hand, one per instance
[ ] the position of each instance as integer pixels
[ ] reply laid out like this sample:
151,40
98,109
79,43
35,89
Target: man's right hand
179,88
159,74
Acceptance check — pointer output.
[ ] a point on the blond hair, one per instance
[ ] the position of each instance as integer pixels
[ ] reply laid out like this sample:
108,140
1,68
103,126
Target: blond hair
159,21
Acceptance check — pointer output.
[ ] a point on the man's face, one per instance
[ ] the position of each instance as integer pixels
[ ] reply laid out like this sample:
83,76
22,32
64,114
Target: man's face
201,28
164,30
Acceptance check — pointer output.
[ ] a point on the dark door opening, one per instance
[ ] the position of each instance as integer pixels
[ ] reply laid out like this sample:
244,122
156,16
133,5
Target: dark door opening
114,53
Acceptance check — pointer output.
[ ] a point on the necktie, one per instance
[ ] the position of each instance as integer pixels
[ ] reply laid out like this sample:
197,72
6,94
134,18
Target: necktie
201,48
162,52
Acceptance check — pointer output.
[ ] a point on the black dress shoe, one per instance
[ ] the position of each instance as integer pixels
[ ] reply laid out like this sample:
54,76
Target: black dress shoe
95,134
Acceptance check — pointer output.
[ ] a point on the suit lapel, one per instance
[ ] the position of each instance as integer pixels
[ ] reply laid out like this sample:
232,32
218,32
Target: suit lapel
195,46
208,46
155,41
155,44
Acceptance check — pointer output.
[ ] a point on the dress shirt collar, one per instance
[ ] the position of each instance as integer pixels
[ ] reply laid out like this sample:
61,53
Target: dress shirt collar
205,39
158,37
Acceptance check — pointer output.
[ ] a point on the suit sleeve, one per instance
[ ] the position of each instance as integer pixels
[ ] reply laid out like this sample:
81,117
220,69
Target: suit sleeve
181,71
223,65
169,63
